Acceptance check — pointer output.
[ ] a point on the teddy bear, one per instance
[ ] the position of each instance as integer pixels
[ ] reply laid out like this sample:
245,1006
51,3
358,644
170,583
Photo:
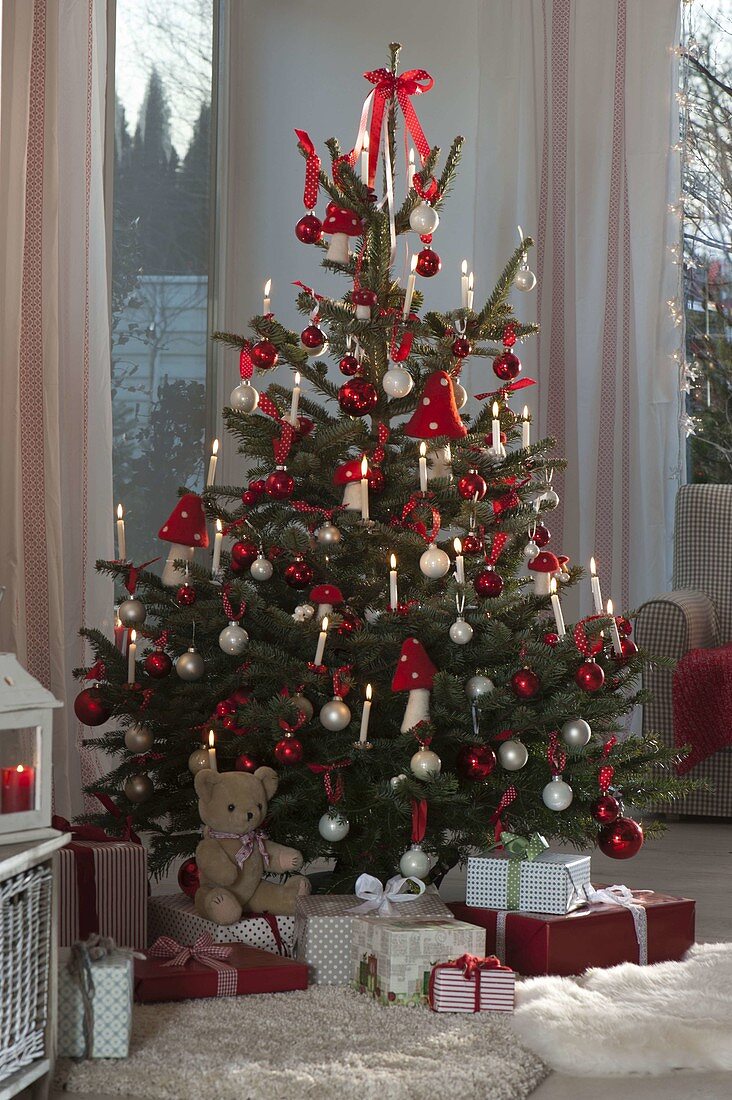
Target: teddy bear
234,852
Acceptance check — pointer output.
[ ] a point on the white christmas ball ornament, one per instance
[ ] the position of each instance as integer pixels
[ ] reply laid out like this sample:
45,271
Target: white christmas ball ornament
550,498
198,760
461,632
333,828
261,568
335,715
396,780
576,733
557,795
512,755
132,612
189,665
303,613
525,279
244,398
233,639
328,534
424,219
425,764
138,788
138,739
461,395
478,687
531,551
414,863
434,563
397,382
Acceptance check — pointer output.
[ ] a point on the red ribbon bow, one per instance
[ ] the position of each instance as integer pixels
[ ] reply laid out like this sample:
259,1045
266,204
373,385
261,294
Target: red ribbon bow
128,833
341,686
586,647
471,966
333,791
280,447
204,950
388,86
400,351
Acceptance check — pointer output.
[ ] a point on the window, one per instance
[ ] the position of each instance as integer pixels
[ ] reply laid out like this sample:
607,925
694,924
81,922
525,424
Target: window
163,153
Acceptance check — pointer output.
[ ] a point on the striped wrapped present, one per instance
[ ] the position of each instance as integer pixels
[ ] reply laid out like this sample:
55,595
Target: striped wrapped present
472,984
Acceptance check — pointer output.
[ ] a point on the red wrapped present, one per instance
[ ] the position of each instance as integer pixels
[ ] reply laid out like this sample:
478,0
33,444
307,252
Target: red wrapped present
603,934
176,972
472,984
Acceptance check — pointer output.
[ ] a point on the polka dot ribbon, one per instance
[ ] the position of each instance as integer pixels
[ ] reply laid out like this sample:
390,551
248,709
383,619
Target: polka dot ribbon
98,671
509,795
505,391
280,446
583,643
228,606
382,435
419,819
162,639
499,541
557,757
418,500
312,170
428,192
400,350
246,363
606,771
388,86
332,779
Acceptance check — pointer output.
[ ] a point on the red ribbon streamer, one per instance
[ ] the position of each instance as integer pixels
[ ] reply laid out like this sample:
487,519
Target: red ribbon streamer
419,819
400,351
584,645
417,500
509,795
341,687
312,170
382,434
227,605
389,86
246,364
333,791
510,387
133,574
606,771
557,757
98,671
499,541
309,290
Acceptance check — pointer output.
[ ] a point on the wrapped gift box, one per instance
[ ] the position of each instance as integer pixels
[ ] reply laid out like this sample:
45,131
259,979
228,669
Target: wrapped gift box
102,887
462,986
175,915
600,935
111,1009
393,959
323,931
242,970
551,883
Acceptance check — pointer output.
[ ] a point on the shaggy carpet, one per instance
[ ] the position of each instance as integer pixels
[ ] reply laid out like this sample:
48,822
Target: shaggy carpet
633,1019
328,1043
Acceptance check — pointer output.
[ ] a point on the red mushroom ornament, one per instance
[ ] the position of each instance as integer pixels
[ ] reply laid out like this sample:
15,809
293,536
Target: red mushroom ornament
544,566
415,673
364,300
340,224
437,413
326,596
349,476
185,528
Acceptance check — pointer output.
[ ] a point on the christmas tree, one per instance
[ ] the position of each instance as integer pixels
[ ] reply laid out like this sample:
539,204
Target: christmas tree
384,623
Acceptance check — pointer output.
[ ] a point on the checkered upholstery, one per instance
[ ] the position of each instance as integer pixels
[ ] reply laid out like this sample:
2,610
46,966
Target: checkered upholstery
696,614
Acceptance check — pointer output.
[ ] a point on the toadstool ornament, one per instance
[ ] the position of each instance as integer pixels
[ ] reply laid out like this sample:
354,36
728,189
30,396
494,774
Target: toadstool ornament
349,475
436,414
364,300
415,674
185,528
544,566
564,574
340,224
326,596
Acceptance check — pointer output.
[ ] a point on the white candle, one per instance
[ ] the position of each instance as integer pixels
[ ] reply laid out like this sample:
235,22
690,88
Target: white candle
212,463
365,160
459,562
595,585
423,467
410,287
364,488
470,291
557,609
218,540
363,735
464,284
410,171
131,651
614,632
321,641
525,428
267,301
121,541
211,752
495,431
393,594
295,406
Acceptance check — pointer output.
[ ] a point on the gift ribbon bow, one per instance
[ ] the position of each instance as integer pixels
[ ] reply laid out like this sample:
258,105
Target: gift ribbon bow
471,966
384,901
248,840
520,849
312,170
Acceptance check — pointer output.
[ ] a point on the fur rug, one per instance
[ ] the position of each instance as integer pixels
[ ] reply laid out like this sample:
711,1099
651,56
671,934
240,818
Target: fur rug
323,1043
633,1019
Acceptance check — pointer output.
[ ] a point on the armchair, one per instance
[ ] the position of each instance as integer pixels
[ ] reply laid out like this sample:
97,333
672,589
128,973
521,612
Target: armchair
697,613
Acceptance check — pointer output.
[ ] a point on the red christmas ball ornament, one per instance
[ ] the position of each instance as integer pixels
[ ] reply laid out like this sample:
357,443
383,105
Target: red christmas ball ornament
309,230
506,366
471,485
242,555
542,535
428,263
299,574
257,486
525,683
313,337
550,638
589,676
229,723
90,707
304,425
288,751
158,664
349,625
186,595
240,696
357,397
264,354
509,336
279,485
488,583
249,498
461,347
475,762
245,763
376,479
188,878
349,365
628,649
472,544
621,839
605,809
224,708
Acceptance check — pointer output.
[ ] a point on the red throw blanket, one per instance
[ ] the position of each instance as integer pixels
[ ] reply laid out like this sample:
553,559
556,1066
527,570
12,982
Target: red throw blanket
703,704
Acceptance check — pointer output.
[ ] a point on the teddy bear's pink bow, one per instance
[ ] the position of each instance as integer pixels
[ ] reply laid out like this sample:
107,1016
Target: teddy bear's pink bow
248,840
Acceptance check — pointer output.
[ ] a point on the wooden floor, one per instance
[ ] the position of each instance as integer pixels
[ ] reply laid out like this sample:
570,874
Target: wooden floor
692,860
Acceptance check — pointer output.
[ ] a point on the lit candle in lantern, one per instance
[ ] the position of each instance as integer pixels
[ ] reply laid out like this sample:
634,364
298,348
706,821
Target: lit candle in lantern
525,427
595,585
121,541
321,641
212,751
410,287
470,291
131,651
364,488
267,301
393,594
365,160
557,608
212,463
410,171
614,632
18,789
423,467
464,284
218,540
294,407
459,562
363,734
495,431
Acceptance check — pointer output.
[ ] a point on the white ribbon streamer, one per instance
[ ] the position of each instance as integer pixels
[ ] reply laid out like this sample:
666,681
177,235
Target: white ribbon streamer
621,895
383,901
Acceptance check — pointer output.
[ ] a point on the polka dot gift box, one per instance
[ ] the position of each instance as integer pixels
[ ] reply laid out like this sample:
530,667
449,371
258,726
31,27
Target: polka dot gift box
548,883
175,915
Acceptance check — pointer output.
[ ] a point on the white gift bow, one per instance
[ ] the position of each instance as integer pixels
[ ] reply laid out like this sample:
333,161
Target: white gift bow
621,895
384,899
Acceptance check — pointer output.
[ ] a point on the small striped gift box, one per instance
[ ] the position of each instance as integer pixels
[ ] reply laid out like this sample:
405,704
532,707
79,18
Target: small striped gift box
102,887
471,984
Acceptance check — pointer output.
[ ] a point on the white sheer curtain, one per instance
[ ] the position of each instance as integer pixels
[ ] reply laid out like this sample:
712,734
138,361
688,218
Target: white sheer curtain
55,410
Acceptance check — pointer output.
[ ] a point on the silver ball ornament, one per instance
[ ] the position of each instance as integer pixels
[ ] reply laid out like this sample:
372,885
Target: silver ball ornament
525,279
396,780
335,715
303,704
189,665
233,639
138,739
244,398
576,733
328,534
434,563
425,764
334,828
461,395
531,551
397,382
138,788
414,863
478,687
198,760
424,219
261,568
461,632
557,795
550,498
512,755
132,612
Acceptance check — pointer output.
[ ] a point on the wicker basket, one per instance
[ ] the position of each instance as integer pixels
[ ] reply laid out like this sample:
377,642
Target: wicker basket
25,944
